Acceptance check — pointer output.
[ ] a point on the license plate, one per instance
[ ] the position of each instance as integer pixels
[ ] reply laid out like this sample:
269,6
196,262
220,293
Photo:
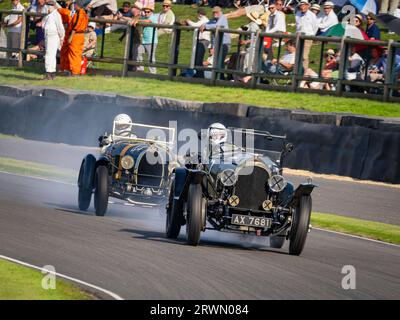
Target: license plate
250,221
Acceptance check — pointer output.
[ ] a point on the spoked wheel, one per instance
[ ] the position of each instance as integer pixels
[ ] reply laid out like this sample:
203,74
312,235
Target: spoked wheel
174,216
300,225
196,211
85,182
101,191
276,242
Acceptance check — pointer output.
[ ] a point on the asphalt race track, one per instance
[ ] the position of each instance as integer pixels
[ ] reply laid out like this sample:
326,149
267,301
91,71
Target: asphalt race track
371,202
126,252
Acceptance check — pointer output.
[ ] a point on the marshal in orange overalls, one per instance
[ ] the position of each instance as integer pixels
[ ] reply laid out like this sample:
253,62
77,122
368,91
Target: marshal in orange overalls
71,53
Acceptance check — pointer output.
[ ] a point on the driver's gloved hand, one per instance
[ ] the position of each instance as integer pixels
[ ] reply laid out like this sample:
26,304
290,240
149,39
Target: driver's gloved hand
104,140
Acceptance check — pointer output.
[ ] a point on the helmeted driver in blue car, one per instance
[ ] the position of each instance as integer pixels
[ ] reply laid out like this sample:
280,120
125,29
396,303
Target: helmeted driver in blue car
122,128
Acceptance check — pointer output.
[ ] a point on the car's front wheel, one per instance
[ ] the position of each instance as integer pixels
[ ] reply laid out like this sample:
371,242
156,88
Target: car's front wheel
196,211
101,191
85,182
174,215
300,225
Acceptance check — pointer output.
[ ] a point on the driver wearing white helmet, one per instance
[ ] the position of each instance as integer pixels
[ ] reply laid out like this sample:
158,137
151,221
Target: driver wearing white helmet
217,135
122,128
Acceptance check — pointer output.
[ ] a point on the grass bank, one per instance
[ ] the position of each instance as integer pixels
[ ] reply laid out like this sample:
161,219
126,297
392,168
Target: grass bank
37,170
364,228
22,283
198,92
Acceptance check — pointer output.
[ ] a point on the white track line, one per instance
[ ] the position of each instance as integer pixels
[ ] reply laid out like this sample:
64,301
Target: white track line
109,293
326,230
357,237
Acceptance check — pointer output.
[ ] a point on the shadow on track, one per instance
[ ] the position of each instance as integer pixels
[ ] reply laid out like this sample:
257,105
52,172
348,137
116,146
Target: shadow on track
206,241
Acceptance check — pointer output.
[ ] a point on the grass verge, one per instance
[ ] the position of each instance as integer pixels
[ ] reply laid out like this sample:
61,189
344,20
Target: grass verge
364,228
198,92
37,170
22,283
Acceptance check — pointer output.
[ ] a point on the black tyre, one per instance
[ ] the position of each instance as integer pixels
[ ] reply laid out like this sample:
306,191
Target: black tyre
101,191
174,216
276,242
300,225
85,182
195,214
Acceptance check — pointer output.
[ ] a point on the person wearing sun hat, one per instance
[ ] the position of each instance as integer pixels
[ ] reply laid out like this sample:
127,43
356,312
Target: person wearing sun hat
315,8
219,20
166,16
149,39
328,18
306,23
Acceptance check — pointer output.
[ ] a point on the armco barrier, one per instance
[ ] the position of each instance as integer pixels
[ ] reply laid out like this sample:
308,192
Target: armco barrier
355,146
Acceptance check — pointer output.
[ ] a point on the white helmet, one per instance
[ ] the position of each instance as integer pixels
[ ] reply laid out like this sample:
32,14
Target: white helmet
122,125
217,133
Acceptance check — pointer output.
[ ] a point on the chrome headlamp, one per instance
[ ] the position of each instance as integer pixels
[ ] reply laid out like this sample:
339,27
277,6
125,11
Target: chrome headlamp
228,177
277,183
127,162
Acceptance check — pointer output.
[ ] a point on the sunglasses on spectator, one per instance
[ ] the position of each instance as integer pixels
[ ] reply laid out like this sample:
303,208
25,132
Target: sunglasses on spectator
147,11
166,6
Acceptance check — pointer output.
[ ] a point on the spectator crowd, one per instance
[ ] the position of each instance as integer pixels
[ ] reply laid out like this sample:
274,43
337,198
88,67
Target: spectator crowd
64,27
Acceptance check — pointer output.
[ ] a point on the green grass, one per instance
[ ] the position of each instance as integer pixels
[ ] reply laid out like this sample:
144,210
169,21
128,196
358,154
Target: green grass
365,228
198,92
37,170
22,283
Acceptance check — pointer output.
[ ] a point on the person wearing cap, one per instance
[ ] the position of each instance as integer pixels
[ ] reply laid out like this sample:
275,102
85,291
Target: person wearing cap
90,43
71,55
372,30
103,8
204,39
219,20
166,16
276,20
148,41
306,23
53,36
328,18
123,14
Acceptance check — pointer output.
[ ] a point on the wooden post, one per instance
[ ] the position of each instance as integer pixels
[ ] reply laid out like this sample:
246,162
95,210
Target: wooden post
298,62
342,66
217,49
174,52
127,50
389,72
257,53
22,41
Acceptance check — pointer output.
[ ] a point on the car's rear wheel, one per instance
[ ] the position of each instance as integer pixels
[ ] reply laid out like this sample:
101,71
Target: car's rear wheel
196,210
276,242
300,225
101,191
85,182
174,215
